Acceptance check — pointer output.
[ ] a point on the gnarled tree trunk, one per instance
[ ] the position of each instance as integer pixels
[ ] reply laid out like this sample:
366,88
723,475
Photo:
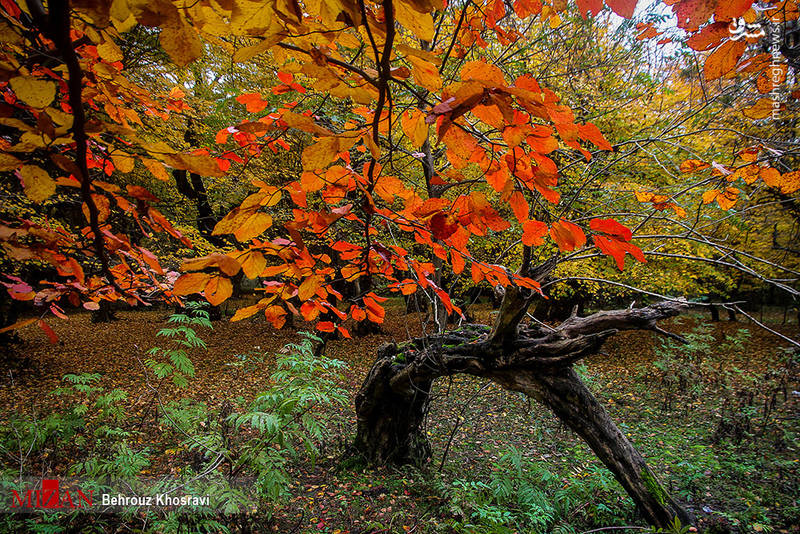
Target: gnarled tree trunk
393,401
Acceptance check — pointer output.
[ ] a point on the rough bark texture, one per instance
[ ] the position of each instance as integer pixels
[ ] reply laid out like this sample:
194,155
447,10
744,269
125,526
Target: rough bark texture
390,419
393,401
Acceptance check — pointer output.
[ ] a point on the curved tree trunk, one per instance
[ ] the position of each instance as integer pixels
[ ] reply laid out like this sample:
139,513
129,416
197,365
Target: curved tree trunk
393,401
569,398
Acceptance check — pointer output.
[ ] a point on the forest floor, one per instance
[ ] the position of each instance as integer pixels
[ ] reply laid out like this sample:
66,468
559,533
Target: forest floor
719,425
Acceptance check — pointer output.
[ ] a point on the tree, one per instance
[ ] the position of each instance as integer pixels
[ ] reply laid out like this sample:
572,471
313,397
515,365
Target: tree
420,132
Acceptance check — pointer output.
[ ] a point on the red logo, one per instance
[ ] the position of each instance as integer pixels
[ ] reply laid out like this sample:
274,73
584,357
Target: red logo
51,496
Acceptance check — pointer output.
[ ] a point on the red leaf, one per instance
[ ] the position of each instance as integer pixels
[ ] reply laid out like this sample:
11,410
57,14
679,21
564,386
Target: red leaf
49,331
252,102
623,8
326,326
617,249
611,227
592,6
443,226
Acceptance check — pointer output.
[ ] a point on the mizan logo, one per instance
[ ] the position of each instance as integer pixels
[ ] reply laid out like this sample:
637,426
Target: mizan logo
51,496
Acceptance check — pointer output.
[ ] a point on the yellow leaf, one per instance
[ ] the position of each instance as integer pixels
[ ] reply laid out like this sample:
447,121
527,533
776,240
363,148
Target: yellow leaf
272,195
308,288
414,126
218,289
181,42
33,91
156,169
253,263
8,162
761,109
244,313
420,24
249,52
303,122
226,264
323,152
37,183
231,222
253,226
154,12
196,163
123,162
109,51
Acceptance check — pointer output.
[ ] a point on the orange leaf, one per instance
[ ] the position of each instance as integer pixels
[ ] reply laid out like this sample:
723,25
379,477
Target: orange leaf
357,313
731,9
308,288
568,236
191,283
724,59
790,182
592,133
693,165
252,101
771,176
18,324
218,289
480,71
709,37
520,206
533,233
275,315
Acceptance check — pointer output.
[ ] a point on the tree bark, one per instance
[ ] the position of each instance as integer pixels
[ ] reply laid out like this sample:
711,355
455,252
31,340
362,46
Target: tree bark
390,421
393,401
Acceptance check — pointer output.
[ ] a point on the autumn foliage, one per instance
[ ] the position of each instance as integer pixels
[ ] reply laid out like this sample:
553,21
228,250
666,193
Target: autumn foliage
417,92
